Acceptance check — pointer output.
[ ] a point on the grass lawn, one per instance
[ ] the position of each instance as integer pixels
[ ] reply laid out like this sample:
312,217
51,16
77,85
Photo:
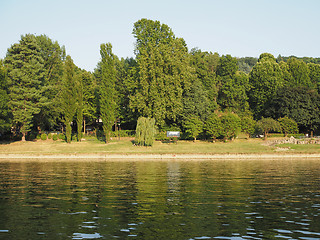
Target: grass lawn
302,148
125,146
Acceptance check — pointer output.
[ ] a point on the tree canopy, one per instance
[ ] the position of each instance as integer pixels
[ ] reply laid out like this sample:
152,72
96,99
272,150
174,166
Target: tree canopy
25,69
203,94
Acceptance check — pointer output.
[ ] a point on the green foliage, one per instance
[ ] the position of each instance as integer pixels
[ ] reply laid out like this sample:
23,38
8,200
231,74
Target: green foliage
196,102
248,125
68,96
300,73
280,135
145,131
107,93
246,64
123,133
314,74
265,125
42,90
265,79
89,98
50,136
163,72
205,65
231,125
125,84
233,92
266,57
305,59
140,131
61,136
5,116
288,126
193,127
43,136
228,66
53,56
150,132
213,126
25,73
79,104
55,137
300,104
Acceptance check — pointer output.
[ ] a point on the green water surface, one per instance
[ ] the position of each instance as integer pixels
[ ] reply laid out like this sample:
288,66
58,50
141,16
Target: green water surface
223,199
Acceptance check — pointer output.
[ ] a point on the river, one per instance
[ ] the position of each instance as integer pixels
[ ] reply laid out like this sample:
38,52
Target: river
214,199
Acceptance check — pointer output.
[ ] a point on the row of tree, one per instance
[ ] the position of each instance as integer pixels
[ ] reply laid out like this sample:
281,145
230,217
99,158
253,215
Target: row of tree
43,90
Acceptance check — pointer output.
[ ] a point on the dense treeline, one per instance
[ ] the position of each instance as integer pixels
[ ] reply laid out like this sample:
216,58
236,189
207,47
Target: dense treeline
202,94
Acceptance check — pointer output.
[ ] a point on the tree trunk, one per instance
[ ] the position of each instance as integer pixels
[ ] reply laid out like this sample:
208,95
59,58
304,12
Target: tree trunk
106,134
84,126
23,137
265,135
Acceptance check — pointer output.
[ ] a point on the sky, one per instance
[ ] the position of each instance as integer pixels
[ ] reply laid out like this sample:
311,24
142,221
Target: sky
237,27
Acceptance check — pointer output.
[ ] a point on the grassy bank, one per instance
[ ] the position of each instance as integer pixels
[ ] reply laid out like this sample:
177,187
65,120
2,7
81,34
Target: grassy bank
125,146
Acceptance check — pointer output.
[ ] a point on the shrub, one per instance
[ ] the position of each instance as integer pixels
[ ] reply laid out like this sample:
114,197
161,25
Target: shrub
145,131
55,137
38,137
50,136
43,136
31,135
123,133
61,136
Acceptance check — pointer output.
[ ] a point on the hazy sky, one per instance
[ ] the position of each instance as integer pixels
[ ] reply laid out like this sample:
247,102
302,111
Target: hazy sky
237,27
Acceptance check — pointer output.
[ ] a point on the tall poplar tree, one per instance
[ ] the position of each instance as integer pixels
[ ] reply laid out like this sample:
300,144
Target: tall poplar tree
163,72
88,98
68,96
25,76
106,75
79,104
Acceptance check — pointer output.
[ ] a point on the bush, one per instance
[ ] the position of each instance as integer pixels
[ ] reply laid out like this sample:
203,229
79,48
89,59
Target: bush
161,136
50,136
123,133
278,135
43,136
61,136
55,137
145,131
38,137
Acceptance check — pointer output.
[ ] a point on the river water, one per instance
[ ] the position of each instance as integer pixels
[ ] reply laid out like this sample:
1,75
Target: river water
222,199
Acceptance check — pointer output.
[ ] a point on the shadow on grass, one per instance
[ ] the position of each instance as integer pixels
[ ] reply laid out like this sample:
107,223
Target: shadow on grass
6,142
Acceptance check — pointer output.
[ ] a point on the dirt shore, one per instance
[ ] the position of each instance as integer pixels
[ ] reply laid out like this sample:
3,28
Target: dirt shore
105,157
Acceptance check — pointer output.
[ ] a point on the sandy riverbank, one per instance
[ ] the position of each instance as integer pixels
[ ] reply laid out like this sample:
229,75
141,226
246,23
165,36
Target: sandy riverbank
106,157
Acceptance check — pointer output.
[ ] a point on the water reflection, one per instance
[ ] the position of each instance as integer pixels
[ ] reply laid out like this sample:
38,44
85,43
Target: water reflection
228,199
